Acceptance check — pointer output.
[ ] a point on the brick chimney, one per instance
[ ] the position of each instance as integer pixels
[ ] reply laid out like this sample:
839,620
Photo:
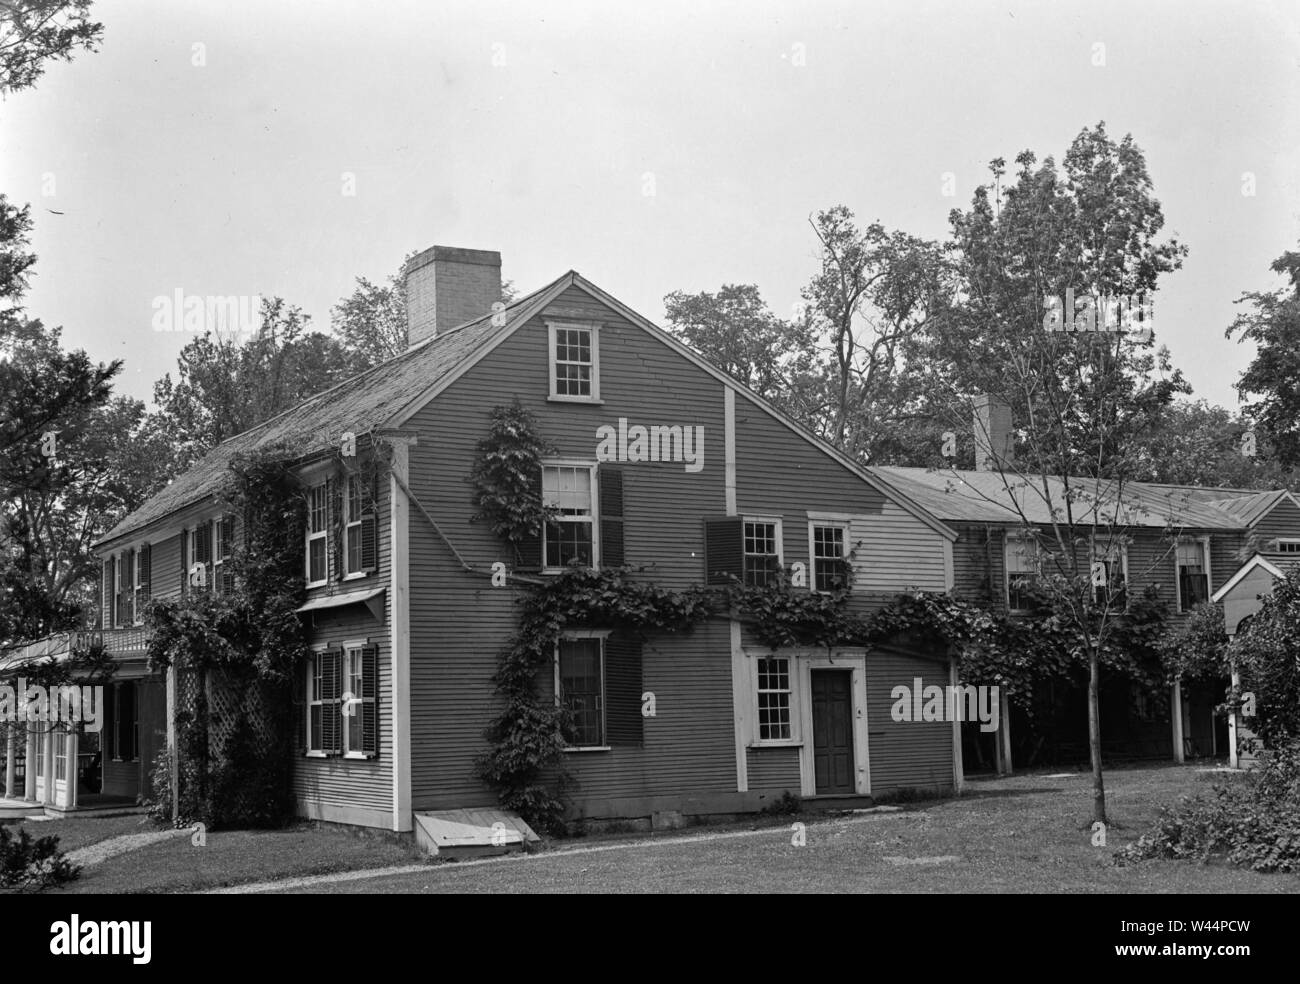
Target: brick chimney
994,440
446,287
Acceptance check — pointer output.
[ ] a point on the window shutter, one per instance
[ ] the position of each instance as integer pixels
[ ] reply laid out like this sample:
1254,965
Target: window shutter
331,716
370,710
610,481
128,587
227,539
723,549
105,591
298,695
146,572
370,529
185,562
334,524
529,548
623,689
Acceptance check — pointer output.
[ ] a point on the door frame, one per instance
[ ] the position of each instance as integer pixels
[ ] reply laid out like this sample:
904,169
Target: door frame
855,661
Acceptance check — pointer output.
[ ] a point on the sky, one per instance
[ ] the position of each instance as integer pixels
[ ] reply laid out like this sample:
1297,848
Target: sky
283,147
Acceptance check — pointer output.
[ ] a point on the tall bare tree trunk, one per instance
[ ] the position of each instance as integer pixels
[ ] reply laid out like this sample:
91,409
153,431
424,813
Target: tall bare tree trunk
1094,735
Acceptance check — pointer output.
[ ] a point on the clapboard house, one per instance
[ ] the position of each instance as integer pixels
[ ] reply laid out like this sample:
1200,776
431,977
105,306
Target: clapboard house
660,461
1190,544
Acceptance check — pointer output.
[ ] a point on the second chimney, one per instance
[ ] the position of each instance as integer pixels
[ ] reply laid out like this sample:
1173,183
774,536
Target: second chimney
993,436
446,287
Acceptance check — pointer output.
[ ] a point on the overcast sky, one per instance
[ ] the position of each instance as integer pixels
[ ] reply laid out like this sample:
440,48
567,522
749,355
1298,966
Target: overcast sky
531,128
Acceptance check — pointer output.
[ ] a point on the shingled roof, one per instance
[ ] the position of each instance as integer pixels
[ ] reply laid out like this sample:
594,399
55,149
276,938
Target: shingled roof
956,495
371,400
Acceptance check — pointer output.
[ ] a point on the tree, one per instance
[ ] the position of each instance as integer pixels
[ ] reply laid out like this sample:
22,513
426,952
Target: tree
735,330
224,387
1196,443
1274,374
33,32
371,321
874,298
1083,398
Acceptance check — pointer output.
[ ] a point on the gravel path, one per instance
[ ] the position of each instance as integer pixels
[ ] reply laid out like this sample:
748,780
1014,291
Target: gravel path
111,848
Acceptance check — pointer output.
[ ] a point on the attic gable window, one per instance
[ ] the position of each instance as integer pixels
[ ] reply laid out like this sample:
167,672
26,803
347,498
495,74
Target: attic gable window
574,362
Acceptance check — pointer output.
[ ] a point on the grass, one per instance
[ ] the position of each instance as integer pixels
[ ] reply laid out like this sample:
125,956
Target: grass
1028,833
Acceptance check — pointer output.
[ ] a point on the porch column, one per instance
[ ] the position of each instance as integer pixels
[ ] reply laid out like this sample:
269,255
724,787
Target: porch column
10,742
958,767
1176,716
48,738
74,747
1232,720
29,765
1004,735
172,762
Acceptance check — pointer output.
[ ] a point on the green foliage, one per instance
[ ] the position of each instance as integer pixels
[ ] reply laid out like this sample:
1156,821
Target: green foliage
786,805
505,476
1267,651
1253,821
33,32
31,864
1199,651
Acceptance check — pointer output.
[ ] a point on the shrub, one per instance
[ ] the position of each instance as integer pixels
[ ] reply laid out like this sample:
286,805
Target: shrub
29,864
1252,821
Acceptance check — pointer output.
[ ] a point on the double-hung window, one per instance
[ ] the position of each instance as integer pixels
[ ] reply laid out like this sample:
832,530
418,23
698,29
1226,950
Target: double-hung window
774,698
358,700
580,687
316,703
569,489
1193,562
1110,575
761,547
317,535
574,362
1022,565
828,548
352,526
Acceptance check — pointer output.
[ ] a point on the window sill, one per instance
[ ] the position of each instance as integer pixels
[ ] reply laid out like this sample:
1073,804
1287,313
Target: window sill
595,401
357,756
591,748
770,743
315,755
355,575
317,584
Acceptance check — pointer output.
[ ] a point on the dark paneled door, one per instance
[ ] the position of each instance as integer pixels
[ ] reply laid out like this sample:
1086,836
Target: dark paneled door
832,712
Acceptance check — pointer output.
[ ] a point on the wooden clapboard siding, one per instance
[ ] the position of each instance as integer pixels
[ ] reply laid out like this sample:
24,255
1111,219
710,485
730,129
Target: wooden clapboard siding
773,770
1283,520
345,782
905,754
897,553
166,561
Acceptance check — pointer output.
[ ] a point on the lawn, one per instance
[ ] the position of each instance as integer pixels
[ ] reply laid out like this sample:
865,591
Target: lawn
1028,833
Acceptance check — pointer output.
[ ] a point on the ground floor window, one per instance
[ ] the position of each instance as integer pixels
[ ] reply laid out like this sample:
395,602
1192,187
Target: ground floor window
580,687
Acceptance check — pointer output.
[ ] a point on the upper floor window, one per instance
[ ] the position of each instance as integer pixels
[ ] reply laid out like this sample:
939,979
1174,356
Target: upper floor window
317,556
1022,566
570,489
352,526
1288,546
1193,563
828,548
761,551
574,362
1110,575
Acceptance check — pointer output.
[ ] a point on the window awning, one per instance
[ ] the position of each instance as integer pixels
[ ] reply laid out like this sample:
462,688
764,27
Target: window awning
371,598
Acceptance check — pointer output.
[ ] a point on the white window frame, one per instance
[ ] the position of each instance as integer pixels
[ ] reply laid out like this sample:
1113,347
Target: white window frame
552,329
349,521
796,737
845,528
1204,541
1289,541
137,608
322,534
357,647
313,666
210,569
572,635
590,466
115,613
778,532
1100,553
1016,539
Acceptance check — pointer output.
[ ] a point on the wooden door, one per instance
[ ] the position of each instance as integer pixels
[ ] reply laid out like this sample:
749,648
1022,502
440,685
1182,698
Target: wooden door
832,711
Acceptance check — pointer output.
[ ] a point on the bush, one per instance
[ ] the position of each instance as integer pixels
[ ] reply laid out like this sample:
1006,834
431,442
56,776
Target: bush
29,864
1252,821
785,805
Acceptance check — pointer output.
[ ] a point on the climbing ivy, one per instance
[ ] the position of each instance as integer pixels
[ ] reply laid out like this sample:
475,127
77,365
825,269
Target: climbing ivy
505,477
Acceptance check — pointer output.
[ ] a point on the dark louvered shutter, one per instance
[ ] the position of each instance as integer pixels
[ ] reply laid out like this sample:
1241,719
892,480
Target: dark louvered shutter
623,689
146,573
723,549
105,592
227,540
611,516
203,553
334,524
185,562
370,704
298,697
128,587
331,730
530,547
370,529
